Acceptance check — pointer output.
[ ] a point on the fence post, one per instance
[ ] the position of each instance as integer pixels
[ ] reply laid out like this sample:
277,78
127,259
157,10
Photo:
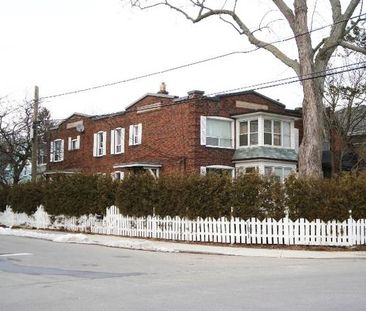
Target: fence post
351,231
286,223
232,227
153,227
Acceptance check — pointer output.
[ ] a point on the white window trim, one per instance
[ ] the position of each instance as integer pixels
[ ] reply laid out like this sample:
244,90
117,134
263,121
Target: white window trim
53,151
293,131
135,140
203,131
203,169
114,175
96,144
113,142
77,143
260,165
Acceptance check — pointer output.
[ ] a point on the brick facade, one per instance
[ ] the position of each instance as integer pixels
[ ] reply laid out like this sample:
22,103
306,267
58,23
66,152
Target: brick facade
170,133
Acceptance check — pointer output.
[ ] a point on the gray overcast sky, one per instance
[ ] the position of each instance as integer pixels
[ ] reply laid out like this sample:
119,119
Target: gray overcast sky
73,44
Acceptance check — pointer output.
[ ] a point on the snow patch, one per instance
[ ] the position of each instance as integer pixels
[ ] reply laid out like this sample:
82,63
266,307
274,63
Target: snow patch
85,239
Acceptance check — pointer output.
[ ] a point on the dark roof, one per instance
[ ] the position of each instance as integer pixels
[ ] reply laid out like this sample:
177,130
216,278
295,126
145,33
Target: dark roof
264,152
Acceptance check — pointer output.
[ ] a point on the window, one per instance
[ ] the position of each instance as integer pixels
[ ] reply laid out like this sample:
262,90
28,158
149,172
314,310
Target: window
74,143
57,150
41,159
100,142
286,134
217,132
248,128
217,169
117,140
118,175
135,137
279,172
277,133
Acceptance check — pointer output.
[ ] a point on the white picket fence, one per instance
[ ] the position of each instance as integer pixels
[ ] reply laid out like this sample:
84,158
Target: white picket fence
222,230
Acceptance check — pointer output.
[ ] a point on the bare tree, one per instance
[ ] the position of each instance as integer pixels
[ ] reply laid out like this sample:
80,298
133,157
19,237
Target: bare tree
16,138
311,58
345,115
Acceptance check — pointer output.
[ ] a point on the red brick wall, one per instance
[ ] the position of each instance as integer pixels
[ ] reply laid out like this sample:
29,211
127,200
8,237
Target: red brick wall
170,135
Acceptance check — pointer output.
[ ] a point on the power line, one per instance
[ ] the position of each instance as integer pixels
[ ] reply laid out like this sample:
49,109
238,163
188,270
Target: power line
195,62
294,79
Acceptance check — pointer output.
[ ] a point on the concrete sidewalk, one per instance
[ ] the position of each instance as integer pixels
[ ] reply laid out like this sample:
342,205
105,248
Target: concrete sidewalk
173,247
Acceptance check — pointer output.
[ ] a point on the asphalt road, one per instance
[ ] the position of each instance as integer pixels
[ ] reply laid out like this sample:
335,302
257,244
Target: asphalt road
42,275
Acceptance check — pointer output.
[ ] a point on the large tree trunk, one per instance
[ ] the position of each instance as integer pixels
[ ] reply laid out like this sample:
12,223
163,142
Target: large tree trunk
310,157
310,154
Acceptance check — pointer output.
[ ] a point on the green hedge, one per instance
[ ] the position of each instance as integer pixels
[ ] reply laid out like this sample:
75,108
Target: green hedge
26,197
192,196
78,194
4,193
326,199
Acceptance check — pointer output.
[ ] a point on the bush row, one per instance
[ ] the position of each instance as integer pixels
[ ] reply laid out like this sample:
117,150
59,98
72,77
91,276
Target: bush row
192,196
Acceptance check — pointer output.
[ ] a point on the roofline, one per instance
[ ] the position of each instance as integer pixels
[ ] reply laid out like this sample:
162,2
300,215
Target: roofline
253,93
150,94
264,158
137,164
268,113
84,115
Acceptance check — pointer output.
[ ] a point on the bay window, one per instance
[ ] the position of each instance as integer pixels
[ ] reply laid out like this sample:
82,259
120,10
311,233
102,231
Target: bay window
264,131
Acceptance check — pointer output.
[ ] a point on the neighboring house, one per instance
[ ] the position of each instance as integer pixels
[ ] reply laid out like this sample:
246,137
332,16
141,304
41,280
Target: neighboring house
163,134
347,150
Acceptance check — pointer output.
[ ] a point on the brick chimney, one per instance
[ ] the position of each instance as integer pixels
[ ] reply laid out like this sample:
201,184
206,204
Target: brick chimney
195,94
163,89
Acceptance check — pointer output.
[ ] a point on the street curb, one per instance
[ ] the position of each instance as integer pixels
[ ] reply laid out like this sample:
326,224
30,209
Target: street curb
172,247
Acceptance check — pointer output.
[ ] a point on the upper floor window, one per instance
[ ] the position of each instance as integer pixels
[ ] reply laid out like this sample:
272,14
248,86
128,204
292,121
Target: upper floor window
74,143
248,133
277,133
135,135
100,142
217,132
57,150
264,131
117,140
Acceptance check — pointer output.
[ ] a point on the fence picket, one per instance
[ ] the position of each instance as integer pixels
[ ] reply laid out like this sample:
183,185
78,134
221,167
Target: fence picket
221,230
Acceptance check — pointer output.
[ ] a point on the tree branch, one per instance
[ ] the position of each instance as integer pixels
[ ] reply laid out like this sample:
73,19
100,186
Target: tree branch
352,47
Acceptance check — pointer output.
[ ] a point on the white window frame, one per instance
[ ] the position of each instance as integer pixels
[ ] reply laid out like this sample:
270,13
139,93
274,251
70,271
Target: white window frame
100,144
135,134
117,147
57,155
203,131
74,143
294,133
281,132
273,168
118,175
261,165
203,169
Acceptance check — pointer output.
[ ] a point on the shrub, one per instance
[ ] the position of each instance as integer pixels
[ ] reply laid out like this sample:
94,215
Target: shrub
258,196
312,198
4,192
26,197
72,195
136,195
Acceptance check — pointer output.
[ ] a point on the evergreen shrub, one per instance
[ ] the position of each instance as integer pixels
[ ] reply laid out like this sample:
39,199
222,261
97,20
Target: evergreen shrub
26,197
4,192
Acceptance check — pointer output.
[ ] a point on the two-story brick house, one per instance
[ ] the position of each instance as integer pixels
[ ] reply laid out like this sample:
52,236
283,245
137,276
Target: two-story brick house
165,134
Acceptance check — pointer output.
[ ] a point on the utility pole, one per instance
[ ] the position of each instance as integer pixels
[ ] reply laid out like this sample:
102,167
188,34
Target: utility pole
35,134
